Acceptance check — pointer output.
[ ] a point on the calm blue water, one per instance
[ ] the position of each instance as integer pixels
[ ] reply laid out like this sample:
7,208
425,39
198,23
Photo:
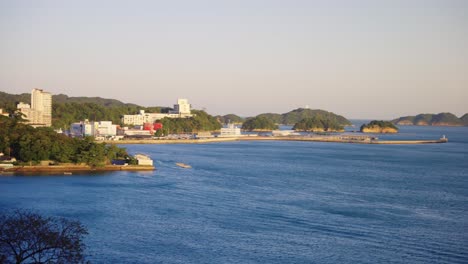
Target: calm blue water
270,202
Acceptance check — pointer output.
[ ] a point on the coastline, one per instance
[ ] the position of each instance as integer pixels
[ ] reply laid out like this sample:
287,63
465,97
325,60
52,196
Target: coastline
65,169
333,139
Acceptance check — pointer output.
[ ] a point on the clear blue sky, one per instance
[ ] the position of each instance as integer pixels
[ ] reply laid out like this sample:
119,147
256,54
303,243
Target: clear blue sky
361,59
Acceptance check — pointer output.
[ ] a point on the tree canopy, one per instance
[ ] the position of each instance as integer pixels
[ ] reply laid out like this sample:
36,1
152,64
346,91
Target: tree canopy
28,237
230,118
317,123
379,123
28,144
259,123
201,121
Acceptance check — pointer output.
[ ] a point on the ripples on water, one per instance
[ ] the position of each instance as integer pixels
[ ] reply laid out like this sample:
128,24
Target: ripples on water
270,202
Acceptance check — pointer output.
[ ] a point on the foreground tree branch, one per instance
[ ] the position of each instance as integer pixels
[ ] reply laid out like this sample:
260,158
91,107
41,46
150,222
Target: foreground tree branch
27,237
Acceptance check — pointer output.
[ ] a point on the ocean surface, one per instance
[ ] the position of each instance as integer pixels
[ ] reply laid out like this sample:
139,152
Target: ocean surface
270,202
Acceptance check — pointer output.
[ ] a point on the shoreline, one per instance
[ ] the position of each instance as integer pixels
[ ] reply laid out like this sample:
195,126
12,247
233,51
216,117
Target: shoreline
69,169
333,139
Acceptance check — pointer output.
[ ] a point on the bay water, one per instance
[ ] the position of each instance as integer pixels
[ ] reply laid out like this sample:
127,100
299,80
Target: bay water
270,202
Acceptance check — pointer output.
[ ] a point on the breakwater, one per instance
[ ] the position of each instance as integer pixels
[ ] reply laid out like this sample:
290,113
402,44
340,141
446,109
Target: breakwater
335,139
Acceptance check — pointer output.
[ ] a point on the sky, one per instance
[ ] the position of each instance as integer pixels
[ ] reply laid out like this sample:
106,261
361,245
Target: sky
359,59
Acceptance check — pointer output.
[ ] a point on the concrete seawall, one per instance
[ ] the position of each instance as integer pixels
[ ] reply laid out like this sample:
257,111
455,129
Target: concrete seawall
312,139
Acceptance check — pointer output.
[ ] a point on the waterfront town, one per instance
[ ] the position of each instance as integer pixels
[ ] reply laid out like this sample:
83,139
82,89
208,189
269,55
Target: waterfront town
135,126
143,126
148,128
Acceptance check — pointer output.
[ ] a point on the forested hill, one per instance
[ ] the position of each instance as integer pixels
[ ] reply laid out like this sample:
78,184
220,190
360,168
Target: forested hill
66,110
9,100
62,98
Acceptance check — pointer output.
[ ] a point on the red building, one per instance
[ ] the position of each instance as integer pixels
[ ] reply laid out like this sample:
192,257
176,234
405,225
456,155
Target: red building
152,127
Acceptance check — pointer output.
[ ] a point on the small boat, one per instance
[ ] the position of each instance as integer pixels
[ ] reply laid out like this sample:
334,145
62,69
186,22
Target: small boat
67,173
183,165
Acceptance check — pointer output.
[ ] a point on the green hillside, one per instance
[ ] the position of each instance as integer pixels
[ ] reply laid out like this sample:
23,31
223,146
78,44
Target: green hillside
66,110
299,114
295,116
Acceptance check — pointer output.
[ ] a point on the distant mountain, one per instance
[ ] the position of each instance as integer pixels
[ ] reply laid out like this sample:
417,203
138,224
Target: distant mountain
464,119
441,119
62,98
9,101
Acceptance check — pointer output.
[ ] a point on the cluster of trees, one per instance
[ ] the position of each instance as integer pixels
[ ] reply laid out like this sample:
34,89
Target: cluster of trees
230,118
28,144
317,123
259,123
379,123
28,237
66,113
299,114
201,121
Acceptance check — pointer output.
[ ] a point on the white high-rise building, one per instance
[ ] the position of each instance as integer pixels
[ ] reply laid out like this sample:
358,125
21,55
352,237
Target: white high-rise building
94,129
40,111
182,107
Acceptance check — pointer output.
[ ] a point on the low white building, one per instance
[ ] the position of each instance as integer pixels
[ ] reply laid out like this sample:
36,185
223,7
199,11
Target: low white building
3,113
143,159
93,129
230,131
181,110
137,133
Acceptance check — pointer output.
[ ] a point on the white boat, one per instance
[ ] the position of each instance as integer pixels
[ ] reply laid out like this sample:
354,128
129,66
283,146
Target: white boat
183,165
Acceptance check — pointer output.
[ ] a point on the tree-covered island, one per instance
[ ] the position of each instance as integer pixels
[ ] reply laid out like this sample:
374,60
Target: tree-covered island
376,126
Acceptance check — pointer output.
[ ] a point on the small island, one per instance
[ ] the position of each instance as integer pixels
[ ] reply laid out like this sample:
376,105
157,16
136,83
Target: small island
379,127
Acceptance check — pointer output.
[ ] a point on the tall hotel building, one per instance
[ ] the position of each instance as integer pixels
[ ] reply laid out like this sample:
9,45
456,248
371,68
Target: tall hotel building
39,113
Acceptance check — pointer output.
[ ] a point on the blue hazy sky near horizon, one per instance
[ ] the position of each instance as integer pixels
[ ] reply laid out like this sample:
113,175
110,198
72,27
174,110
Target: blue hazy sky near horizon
360,59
